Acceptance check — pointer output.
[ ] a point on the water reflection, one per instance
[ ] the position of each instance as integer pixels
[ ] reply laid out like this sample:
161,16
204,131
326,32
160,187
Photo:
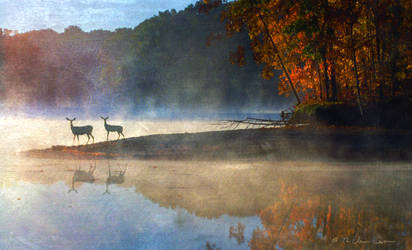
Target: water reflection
375,215
114,177
198,205
211,246
83,176
238,233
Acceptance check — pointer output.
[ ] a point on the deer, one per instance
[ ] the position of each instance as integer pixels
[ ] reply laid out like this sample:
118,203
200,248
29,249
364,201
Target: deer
112,128
84,130
118,178
83,176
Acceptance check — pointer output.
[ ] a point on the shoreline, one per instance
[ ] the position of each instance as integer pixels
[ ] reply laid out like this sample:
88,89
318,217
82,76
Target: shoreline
272,144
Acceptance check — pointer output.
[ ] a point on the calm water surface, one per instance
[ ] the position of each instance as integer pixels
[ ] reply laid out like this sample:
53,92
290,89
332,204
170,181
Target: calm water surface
119,204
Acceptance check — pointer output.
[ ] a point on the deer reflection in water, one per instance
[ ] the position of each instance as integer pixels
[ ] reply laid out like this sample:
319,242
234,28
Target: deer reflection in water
238,233
83,176
114,177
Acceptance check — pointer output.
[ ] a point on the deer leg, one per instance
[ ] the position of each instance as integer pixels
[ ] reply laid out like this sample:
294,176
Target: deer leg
72,189
78,141
119,135
122,134
92,137
107,139
88,138
107,189
74,137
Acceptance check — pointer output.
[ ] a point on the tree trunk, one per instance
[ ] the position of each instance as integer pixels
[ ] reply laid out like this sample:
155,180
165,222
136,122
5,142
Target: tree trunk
325,73
395,55
378,49
320,81
333,83
355,68
285,70
373,64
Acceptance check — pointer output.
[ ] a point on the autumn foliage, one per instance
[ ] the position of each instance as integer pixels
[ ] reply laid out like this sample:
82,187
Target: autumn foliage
329,50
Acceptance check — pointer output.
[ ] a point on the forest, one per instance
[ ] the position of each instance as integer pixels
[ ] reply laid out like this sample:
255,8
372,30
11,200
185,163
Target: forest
170,61
329,50
332,54
345,61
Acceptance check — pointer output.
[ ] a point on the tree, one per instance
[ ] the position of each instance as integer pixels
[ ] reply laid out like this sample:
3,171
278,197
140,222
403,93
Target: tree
167,62
73,29
172,60
306,218
329,50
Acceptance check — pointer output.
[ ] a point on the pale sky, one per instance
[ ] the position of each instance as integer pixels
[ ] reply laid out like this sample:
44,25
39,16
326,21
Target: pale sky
26,15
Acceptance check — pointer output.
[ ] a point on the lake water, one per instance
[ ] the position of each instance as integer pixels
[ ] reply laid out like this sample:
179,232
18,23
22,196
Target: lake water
132,204
78,204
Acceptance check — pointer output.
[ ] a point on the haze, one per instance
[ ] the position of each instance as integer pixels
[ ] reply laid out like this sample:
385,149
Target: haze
26,15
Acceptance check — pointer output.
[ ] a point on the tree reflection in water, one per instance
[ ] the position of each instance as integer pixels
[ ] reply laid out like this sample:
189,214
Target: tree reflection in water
211,246
373,216
238,233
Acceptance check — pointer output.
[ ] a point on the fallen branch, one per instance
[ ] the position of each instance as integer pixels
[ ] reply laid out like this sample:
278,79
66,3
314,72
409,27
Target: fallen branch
253,122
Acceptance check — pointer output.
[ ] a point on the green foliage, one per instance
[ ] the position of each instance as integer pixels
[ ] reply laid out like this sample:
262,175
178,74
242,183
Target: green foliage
173,60
179,60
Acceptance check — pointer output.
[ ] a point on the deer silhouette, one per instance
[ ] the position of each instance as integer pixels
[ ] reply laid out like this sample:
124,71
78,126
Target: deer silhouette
84,130
117,178
83,176
112,128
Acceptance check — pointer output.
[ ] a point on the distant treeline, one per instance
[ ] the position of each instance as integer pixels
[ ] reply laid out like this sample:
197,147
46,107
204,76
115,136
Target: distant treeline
173,60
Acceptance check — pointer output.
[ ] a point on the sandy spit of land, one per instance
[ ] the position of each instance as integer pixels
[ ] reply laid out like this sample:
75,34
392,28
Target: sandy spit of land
263,144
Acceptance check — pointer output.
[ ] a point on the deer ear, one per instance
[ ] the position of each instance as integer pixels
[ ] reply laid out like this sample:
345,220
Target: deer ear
101,117
74,118
107,118
67,119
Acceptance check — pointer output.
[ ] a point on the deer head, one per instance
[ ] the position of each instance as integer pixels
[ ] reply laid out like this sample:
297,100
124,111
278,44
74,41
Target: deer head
71,120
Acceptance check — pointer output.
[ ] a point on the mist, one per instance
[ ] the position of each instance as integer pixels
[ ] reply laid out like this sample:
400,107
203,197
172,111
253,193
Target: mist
166,75
166,67
25,133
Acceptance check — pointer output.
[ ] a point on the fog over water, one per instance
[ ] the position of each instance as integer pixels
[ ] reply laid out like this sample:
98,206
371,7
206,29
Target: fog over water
42,128
29,133
187,205
165,204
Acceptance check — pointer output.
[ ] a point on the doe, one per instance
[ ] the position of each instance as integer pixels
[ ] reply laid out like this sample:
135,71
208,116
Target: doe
112,128
84,130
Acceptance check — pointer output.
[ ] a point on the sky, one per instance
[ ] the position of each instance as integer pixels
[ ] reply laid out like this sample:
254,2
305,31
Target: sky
26,15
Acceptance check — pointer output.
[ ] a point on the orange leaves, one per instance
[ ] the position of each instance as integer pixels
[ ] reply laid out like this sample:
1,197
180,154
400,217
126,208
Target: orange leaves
267,72
329,33
238,57
301,36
